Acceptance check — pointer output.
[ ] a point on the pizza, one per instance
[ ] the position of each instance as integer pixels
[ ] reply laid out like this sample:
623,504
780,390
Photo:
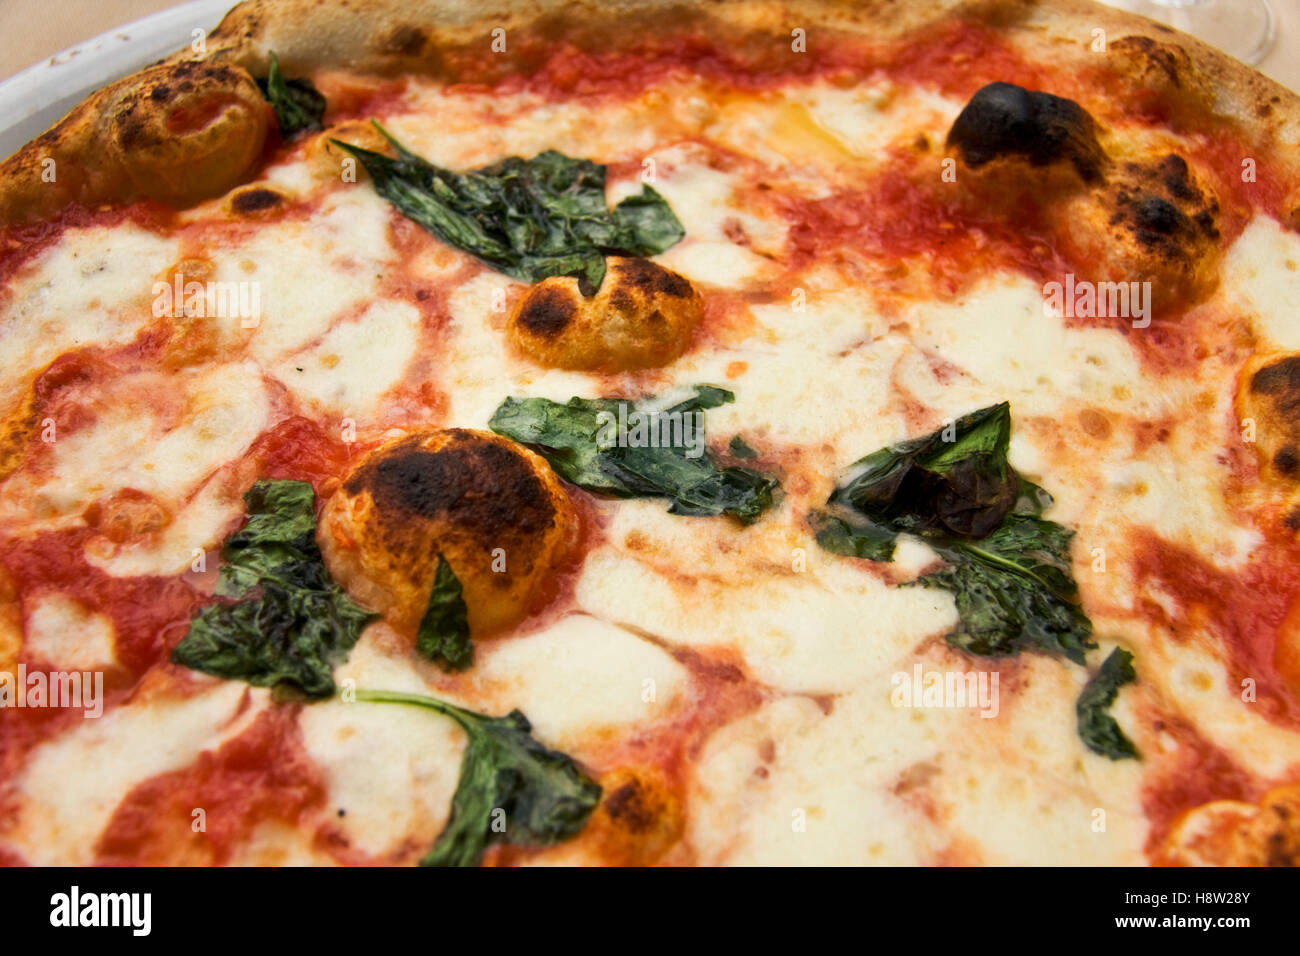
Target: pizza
651,433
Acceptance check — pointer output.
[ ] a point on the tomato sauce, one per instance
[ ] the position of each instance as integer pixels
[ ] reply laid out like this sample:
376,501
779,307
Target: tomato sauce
904,213
960,57
21,244
149,614
1243,608
264,774
1201,774
299,449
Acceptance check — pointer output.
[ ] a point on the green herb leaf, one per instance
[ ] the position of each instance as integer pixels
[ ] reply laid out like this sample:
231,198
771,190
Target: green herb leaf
586,443
444,631
955,481
1097,727
290,622
297,103
740,448
853,537
1007,568
1014,590
545,796
529,218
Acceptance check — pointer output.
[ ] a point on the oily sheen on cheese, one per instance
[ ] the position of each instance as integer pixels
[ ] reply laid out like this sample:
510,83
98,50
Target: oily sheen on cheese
746,667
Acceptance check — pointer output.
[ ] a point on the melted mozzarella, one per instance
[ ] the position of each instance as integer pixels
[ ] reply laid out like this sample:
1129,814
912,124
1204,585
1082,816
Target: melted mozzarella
63,633
93,287
1261,278
614,682
71,785
346,372
827,628
131,445
308,274
199,526
391,769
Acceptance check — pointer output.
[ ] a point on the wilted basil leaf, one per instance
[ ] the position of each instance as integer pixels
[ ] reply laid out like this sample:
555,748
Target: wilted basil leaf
579,439
291,622
955,481
1014,590
740,448
444,630
1097,727
529,218
1008,569
297,103
544,795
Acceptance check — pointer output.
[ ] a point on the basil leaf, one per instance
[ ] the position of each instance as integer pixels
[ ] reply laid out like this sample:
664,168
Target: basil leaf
290,622
297,103
544,795
853,538
529,218
955,481
1007,569
1097,727
1014,590
444,630
586,442
740,448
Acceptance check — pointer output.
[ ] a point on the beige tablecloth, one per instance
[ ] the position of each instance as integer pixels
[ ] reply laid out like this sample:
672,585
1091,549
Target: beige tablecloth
33,30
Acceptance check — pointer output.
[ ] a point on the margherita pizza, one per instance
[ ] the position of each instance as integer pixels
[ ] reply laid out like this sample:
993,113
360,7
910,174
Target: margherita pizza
655,433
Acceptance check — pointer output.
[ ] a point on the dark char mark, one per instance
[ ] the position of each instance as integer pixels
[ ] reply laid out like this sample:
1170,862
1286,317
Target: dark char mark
1003,119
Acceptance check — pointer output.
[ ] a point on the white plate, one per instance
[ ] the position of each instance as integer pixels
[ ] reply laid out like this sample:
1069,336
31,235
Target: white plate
33,100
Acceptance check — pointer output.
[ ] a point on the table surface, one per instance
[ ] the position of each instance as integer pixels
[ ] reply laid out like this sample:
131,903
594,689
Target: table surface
34,30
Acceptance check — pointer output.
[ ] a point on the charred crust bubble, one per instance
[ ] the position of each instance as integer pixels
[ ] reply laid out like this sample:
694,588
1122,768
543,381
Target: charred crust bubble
1003,119
1280,378
1287,460
641,316
651,278
469,481
1155,215
629,807
1163,209
405,40
1176,177
548,310
251,201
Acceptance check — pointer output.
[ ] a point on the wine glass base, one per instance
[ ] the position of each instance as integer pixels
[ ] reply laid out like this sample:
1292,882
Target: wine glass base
1245,29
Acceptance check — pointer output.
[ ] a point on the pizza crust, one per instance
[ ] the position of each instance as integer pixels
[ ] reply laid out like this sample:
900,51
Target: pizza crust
444,38
176,132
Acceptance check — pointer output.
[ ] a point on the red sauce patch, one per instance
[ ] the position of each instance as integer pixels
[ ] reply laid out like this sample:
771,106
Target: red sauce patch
149,614
264,774
19,245
958,58
348,96
1244,609
907,213
300,449
1200,774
